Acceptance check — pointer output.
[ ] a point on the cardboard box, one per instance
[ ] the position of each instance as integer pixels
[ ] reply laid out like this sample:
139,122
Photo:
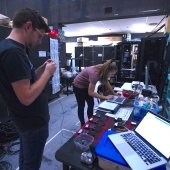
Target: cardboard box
109,165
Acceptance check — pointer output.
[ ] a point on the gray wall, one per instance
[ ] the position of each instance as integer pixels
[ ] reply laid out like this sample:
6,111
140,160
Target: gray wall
90,10
8,7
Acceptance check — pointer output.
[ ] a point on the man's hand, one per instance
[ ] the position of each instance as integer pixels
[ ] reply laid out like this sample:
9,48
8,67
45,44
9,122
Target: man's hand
46,62
50,66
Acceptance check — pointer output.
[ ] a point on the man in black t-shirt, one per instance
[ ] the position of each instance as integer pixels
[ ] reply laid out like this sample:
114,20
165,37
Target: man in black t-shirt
22,86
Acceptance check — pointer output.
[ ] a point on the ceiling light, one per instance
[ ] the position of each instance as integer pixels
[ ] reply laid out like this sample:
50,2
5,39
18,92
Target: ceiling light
138,28
151,10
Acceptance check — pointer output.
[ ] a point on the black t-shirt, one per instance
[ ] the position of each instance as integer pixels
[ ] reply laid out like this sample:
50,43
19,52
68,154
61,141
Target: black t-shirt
15,65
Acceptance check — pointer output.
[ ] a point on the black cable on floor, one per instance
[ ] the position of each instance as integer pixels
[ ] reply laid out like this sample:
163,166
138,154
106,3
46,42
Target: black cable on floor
5,165
62,114
2,152
11,149
8,132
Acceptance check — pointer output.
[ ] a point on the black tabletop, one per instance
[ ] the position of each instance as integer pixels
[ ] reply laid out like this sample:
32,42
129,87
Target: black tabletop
68,154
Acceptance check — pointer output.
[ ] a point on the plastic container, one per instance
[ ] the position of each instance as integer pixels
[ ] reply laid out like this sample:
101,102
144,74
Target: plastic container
83,141
140,111
129,94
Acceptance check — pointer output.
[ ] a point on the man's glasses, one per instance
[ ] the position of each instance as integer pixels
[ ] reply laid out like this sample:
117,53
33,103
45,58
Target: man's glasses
41,35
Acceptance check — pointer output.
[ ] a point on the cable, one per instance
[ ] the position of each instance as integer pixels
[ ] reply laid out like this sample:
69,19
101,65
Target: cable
61,124
156,31
62,106
11,150
2,152
68,136
62,114
4,165
150,79
159,22
7,132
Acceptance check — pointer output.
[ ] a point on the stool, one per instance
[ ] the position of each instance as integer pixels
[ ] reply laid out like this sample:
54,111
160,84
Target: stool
68,78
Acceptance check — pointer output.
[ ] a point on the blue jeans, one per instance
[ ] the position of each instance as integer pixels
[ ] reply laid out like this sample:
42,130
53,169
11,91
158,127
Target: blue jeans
31,148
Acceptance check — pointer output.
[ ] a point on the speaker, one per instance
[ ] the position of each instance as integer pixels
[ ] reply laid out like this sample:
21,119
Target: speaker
151,54
88,56
109,53
79,56
97,55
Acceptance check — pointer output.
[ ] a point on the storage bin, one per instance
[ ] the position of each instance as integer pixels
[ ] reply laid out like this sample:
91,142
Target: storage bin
140,111
83,141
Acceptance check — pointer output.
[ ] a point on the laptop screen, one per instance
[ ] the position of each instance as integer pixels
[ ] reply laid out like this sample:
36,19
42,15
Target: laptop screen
156,131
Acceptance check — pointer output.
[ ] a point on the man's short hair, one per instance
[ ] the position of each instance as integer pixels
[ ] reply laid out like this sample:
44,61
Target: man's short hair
27,14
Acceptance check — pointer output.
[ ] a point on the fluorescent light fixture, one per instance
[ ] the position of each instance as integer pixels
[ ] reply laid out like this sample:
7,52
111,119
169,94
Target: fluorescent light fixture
138,28
121,26
86,31
151,10
142,28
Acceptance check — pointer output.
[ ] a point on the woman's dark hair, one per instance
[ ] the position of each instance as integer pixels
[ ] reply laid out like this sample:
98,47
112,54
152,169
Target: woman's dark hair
26,14
105,69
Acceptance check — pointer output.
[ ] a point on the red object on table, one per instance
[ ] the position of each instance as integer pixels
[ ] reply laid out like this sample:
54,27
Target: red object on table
129,94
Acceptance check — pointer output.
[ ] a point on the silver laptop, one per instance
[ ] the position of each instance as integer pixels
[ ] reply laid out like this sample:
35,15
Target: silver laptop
118,99
148,146
108,106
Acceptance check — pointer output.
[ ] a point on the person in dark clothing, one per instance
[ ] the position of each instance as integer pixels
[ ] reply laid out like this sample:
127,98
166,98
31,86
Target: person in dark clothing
84,86
22,87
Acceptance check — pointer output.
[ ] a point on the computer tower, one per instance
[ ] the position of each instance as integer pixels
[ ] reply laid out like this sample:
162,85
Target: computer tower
97,55
79,56
151,55
126,55
109,53
88,56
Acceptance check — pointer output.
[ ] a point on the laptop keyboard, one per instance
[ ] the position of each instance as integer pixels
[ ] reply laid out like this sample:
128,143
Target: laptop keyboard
147,155
118,100
124,113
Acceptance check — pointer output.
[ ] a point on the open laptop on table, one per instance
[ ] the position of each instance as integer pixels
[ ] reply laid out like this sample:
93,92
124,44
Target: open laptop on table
108,106
148,146
118,99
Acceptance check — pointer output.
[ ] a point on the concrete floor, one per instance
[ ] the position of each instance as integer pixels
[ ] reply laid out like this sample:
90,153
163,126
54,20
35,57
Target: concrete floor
63,124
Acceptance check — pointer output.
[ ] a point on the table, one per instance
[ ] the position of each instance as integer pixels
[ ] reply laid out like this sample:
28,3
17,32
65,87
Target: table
70,156
128,86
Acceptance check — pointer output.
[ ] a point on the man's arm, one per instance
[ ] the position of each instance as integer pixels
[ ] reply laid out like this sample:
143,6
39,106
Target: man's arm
27,92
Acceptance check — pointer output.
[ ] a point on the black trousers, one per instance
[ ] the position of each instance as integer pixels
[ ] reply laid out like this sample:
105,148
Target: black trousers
82,97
